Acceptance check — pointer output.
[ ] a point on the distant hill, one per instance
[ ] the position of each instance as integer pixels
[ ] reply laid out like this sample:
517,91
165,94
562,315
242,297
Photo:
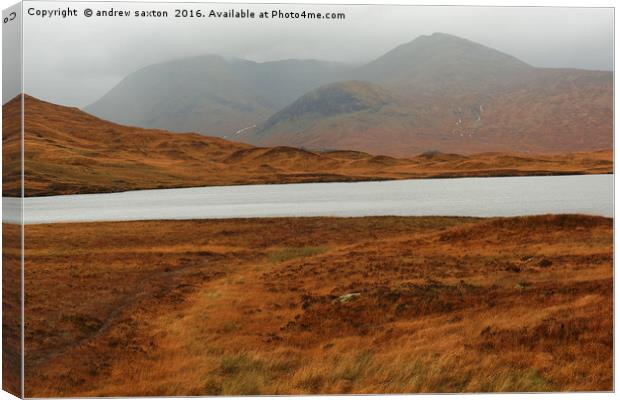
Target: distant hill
69,151
455,95
310,120
210,94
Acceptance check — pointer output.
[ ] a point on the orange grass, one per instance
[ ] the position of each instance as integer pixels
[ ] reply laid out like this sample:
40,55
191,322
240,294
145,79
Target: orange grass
68,151
260,306
11,309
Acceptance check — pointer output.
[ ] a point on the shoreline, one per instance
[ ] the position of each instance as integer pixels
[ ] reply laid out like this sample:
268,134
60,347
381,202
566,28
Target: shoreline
525,174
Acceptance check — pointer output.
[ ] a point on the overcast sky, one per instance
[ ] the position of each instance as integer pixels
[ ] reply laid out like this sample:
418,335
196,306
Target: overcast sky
75,61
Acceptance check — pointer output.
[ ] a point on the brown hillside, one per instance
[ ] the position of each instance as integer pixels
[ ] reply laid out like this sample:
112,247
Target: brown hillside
446,93
555,111
68,151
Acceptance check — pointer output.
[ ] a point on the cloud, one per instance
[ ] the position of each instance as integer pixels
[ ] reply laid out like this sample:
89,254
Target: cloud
74,61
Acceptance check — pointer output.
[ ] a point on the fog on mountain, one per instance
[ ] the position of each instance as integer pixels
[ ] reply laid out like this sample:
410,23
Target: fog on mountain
436,92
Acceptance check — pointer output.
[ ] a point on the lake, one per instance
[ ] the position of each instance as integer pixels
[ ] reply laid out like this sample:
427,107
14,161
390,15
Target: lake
477,197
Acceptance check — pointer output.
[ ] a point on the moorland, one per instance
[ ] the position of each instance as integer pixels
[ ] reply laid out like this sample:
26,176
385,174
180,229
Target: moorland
67,151
319,305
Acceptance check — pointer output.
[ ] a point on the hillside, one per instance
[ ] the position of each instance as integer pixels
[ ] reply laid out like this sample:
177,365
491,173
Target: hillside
69,151
458,96
210,94
330,103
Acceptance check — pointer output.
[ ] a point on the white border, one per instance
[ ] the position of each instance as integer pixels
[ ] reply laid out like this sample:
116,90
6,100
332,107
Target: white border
539,3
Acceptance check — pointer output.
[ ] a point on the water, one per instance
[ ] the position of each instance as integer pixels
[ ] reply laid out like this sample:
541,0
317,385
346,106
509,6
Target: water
479,197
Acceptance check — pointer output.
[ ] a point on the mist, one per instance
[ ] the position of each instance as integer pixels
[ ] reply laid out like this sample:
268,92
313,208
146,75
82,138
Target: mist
74,61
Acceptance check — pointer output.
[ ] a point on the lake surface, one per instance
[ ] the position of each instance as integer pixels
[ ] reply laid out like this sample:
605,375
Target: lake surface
479,197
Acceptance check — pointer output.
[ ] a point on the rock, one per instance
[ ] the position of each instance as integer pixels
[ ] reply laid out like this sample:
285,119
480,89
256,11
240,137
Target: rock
348,297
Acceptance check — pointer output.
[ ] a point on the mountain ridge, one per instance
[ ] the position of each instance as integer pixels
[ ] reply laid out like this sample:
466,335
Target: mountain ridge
441,56
209,93
502,105
448,93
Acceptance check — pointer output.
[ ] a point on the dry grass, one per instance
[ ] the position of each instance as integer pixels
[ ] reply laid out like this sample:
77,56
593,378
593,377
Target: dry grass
11,309
289,253
256,306
68,151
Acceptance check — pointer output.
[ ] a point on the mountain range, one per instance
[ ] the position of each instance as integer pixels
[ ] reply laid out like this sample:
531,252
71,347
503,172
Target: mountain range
210,94
437,92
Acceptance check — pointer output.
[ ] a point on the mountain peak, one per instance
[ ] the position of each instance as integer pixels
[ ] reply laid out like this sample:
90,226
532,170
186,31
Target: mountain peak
440,59
438,37
441,35
442,39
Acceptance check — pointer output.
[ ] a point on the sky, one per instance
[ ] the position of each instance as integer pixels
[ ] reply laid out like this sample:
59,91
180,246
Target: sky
74,61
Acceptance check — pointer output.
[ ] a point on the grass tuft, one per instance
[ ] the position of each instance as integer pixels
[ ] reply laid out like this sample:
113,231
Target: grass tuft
289,253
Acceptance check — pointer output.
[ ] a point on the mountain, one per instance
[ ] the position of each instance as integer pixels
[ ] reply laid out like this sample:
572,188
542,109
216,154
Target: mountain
210,94
334,99
437,92
454,95
347,103
69,151
444,62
